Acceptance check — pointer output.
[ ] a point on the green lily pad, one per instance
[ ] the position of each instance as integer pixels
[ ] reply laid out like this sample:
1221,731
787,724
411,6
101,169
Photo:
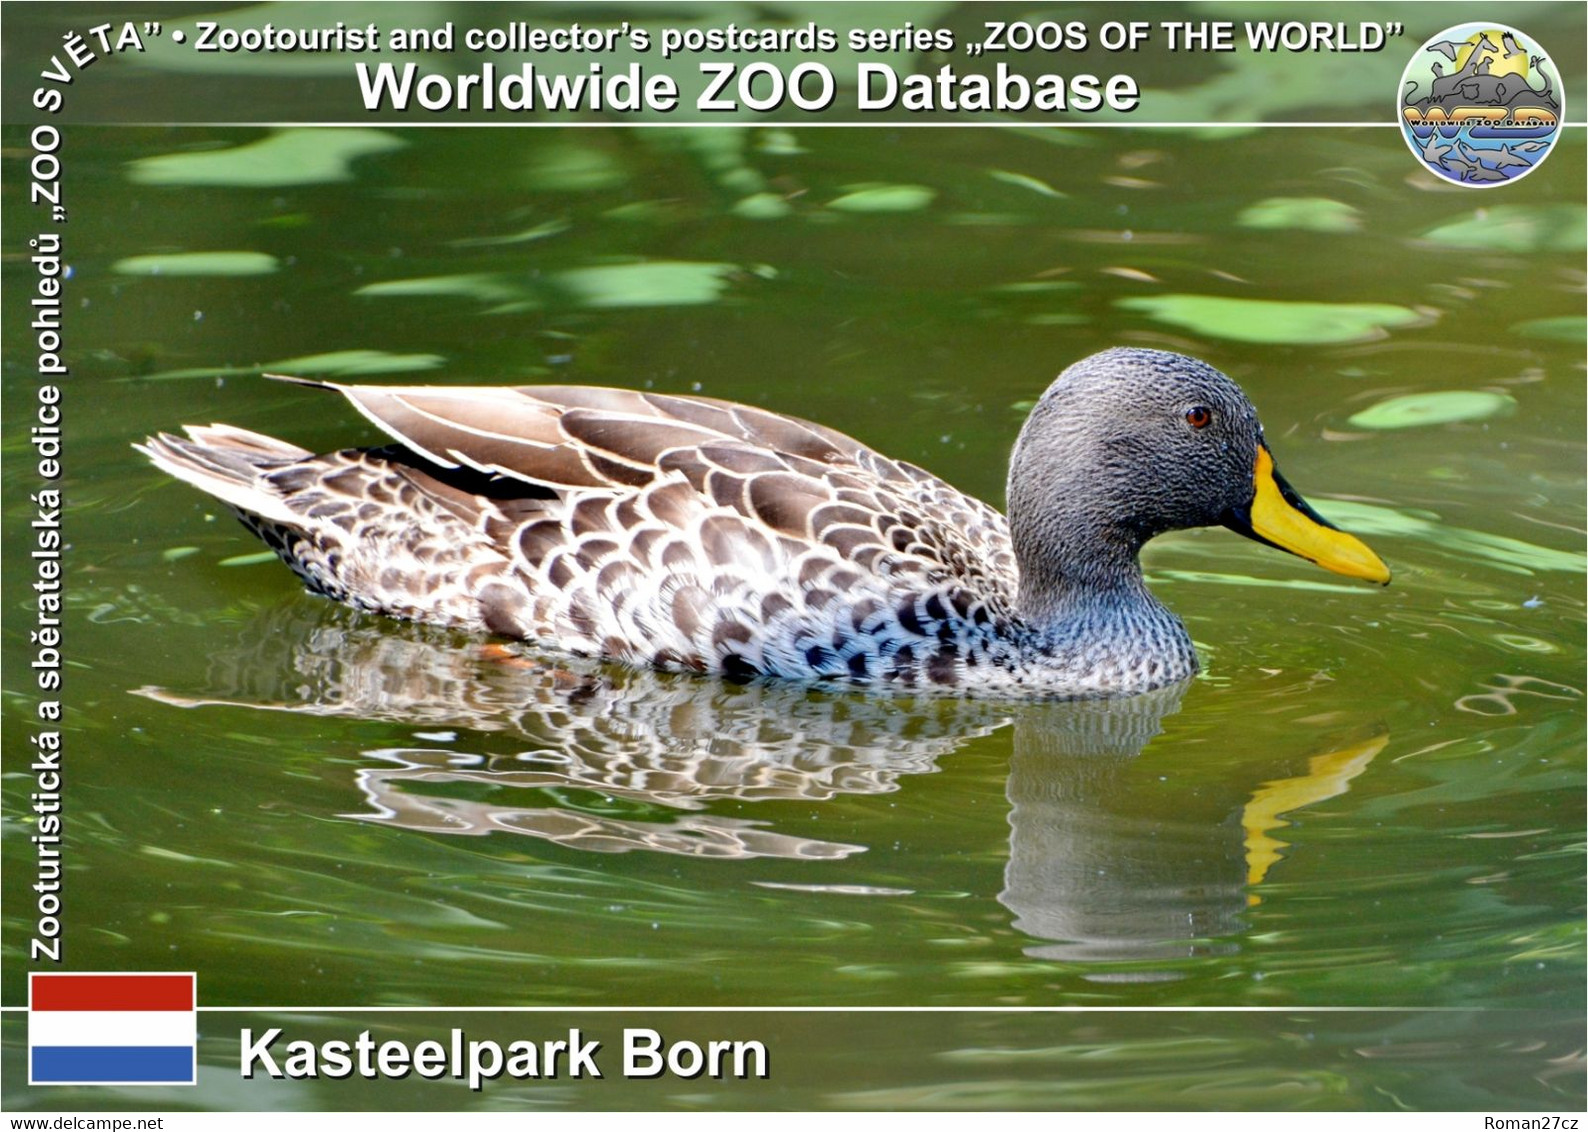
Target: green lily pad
259,557
780,143
1314,214
1025,181
762,206
1567,328
354,363
648,212
657,283
1036,287
573,168
1517,228
1442,407
486,287
538,232
198,263
1502,553
883,198
720,151
291,157
653,283
1273,321
340,363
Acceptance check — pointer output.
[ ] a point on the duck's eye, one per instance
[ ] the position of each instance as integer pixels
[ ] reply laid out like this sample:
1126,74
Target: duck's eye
1199,416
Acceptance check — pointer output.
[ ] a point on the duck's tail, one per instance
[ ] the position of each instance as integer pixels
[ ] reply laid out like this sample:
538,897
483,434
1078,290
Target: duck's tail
369,527
228,463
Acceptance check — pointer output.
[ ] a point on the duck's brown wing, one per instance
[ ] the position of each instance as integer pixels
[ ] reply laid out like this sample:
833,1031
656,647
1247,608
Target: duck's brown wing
579,437
792,479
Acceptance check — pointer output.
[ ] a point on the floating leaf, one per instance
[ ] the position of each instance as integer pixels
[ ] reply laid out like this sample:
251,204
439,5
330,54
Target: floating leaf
762,206
177,553
780,143
659,283
1517,228
1567,328
1269,320
1314,214
351,363
1036,287
257,558
1504,553
573,168
341,363
720,151
291,157
647,212
654,283
1442,407
198,263
486,287
1025,181
538,232
883,198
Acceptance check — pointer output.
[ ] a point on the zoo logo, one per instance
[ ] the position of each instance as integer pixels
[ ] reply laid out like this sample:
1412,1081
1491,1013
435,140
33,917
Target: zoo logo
1479,104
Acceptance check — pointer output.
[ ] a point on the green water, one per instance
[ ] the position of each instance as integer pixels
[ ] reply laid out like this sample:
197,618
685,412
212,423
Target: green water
1372,798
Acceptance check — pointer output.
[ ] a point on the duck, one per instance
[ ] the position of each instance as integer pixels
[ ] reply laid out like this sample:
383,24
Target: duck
699,535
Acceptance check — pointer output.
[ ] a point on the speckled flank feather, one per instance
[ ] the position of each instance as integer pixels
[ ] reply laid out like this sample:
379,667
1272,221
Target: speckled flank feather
694,534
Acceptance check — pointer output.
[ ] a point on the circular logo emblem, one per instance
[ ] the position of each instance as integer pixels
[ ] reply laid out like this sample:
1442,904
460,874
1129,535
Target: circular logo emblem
1481,104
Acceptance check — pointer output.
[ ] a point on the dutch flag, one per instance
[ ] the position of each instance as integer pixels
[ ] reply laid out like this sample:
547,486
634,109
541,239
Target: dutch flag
112,1029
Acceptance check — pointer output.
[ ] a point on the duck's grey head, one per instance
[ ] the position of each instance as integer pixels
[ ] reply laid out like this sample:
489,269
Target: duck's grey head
1128,444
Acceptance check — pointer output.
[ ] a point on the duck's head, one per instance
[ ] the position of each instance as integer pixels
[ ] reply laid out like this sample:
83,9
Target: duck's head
1128,444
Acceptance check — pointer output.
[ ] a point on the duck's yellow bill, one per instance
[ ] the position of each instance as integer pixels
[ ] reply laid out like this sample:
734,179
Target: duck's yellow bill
1280,517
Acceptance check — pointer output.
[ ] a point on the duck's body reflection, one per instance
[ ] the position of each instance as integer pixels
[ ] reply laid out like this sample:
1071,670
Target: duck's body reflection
1099,865
1107,858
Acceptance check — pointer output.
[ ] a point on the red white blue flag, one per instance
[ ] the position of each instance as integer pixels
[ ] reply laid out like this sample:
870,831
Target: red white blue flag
112,1029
